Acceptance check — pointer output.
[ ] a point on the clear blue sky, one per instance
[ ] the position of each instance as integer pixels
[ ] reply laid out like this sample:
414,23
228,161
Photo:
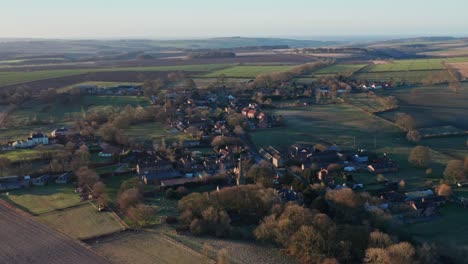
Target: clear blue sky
212,18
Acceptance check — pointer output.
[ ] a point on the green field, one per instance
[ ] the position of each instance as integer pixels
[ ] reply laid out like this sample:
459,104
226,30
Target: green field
370,104
82,222
247,71
43,199
436,76
154,131
24,154
448,232
340,69
412,65
432,106
67,110
10,78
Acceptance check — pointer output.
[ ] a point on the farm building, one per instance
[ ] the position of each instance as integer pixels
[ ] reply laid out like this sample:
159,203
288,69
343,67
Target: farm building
64,178
9,183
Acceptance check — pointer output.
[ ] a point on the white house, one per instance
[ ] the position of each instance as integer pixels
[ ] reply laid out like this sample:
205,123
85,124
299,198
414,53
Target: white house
35,139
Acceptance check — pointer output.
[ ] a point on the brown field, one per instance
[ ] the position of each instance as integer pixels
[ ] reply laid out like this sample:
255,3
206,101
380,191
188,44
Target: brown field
146,247
24,240
462,67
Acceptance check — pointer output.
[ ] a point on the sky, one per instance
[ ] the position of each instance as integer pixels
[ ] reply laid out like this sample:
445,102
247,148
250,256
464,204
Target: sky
160,19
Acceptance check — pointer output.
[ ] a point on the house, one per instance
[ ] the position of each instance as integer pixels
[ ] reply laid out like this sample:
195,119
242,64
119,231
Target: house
59,132
64,178
276,160
35,139
251,114
152,168
41,181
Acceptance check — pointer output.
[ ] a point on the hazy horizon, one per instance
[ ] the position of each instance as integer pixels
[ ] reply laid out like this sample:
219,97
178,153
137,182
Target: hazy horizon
86,19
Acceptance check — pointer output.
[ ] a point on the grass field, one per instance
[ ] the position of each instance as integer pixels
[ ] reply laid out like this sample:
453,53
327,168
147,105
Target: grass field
340,69
370,104
23,154
433,106
39,200
404,76
146,248
448,232
154,131
412,65
66,111
247,71
10,78
82,222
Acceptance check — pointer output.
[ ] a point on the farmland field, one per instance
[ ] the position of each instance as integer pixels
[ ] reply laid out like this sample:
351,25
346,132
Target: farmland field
146,247
433,106
412,65
67,110
9,78
462,67
82,222
25,154
247,71
404,76
25,240
340,69
39,200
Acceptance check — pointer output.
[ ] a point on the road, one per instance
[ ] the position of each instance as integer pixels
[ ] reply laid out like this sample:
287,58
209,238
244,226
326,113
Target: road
24,240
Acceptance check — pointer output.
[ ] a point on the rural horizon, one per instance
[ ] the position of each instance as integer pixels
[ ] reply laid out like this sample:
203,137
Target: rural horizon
221,132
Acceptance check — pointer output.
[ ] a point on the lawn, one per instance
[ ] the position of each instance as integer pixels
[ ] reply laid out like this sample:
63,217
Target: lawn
368,103
98,84
412,65
40,200
248,71
82,222
340,69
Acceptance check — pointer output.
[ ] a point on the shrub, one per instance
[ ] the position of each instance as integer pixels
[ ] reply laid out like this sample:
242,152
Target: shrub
129,198
454,173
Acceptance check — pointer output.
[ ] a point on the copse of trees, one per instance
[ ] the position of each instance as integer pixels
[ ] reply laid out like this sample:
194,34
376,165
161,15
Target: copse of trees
212,213
87,178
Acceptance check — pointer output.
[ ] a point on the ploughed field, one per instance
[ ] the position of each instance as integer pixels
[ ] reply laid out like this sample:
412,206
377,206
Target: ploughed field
24,240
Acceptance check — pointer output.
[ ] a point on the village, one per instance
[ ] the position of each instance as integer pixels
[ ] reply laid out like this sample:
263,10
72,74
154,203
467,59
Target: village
231,154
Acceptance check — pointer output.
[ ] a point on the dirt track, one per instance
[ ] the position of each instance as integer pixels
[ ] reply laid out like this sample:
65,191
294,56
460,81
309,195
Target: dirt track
23,240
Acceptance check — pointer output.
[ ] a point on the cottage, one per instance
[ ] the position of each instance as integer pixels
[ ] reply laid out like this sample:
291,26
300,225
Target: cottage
251,114
177,182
